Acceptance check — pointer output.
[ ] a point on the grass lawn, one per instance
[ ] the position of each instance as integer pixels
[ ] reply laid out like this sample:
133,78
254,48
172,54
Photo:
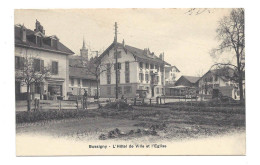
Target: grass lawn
169,124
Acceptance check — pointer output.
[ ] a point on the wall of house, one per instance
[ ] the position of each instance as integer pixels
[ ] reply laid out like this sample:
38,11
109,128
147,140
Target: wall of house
48,57
227,88
134,70
78,87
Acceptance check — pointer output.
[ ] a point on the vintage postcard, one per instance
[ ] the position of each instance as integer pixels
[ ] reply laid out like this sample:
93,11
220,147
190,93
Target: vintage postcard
130,81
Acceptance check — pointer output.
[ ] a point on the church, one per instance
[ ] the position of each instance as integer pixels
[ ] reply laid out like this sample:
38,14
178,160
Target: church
79,77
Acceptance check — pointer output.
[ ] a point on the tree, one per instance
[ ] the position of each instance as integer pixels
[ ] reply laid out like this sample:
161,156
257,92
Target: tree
95,67
231,34
29,73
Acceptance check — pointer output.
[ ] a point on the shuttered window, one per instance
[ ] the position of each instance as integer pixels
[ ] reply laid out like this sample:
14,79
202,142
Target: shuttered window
54,67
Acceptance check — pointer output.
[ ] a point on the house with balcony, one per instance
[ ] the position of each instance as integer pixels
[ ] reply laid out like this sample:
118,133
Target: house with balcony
45,51
140,72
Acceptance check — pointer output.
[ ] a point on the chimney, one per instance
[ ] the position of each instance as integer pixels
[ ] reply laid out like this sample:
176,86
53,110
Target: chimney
163,56
23,33
123,42
160,56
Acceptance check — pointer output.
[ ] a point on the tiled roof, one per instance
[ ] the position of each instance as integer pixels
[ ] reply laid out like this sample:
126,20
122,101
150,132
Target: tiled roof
139,53
80,72
18,41
192,79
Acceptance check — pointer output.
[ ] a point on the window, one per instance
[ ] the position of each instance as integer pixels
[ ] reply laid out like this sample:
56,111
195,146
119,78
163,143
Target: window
127,89
152,66
161,68
157,79
19,62
147,88
140,65
146,77
108,78
37,65
147,66
162,90
141,77
216,78
54,68
108,69
118,77
127,77
72,82
78,82
84,83
158,90
109,90
119,66
157,67
119,90
127,66
118,55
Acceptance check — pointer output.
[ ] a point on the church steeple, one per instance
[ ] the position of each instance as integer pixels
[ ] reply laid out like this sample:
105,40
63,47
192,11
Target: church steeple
84,50
84,46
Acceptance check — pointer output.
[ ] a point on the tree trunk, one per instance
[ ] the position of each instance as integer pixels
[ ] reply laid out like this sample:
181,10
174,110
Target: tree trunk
97,92
241,91
28,98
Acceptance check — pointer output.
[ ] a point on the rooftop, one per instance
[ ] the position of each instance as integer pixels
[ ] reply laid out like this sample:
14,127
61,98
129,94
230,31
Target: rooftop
59,48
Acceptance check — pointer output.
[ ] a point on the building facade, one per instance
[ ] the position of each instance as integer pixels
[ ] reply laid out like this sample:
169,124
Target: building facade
46,51
213,82
184,86
140,72
172,74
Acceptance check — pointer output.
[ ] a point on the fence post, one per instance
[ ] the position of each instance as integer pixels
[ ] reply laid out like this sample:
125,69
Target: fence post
160,100
135,101
150,101
59,104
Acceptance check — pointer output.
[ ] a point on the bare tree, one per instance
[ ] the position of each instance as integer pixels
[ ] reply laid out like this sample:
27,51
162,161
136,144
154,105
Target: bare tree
29,73
95,67
231,34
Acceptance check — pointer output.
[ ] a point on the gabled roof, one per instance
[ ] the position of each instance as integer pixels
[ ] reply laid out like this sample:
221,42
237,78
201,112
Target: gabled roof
221,73
170,67
191,79
139,54
62,49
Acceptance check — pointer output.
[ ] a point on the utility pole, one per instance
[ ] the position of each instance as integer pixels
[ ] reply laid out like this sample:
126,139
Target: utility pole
115,47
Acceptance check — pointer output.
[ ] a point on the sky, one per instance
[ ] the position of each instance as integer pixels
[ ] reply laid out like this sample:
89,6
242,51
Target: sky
186,40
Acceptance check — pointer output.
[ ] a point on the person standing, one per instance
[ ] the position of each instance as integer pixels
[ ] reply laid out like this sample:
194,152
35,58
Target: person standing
85,98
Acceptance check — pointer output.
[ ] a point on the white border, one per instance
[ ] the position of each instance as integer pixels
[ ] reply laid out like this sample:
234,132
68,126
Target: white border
7,83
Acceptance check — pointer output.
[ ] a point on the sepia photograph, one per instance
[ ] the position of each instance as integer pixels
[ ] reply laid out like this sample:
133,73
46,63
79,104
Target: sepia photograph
130,81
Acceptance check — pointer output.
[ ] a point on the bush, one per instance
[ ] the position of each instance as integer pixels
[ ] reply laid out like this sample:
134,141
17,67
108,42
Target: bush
120,105
29,117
